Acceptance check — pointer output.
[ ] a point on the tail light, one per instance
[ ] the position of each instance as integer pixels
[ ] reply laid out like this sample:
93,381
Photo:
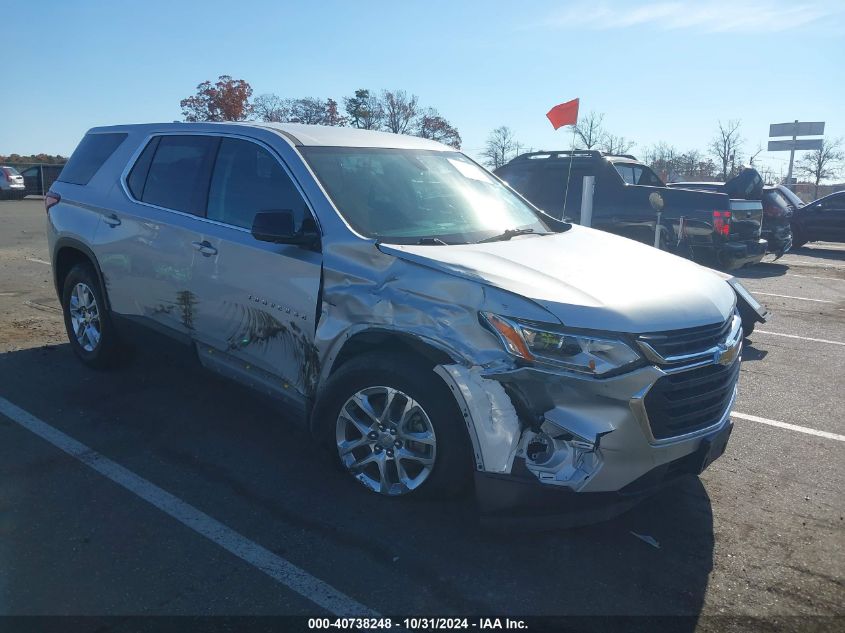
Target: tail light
722,222
51,200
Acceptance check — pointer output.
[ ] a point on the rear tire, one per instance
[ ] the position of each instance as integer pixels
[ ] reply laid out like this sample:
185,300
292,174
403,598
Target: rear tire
90,330
406,402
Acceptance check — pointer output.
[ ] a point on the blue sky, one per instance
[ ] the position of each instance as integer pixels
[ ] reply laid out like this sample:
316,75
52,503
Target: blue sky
660,71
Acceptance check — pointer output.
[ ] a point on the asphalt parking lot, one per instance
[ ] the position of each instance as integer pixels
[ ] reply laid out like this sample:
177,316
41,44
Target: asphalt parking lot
761,534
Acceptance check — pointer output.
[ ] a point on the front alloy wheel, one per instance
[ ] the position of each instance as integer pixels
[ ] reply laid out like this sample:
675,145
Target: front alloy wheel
386,440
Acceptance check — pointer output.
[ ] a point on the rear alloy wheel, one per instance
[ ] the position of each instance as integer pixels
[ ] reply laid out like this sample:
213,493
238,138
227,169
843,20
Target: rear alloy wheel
85,317
87,320
386,440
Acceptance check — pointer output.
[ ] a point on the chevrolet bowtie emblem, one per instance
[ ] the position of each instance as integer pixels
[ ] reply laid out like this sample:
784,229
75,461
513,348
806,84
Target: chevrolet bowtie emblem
726,355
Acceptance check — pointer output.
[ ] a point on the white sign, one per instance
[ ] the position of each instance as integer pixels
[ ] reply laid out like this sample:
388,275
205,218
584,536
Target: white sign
796,129
798,145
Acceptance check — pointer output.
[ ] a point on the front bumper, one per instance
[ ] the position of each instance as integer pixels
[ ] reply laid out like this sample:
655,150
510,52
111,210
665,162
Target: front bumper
733,255
564,449
520,501
779,239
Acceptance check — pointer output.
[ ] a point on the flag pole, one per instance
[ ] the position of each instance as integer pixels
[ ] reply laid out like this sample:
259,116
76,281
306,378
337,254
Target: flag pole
569,173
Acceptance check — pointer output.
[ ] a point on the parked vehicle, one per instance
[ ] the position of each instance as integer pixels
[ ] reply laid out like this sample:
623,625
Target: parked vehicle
822,219
717,231
11,183
423,321
777,211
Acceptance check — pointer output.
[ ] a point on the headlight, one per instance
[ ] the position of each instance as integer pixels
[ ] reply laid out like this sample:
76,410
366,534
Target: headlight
549,345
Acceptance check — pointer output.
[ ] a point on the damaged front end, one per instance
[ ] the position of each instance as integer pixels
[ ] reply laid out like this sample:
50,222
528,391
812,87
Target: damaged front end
555,448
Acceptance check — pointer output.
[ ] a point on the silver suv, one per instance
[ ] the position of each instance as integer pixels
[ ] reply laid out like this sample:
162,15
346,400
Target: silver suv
424,321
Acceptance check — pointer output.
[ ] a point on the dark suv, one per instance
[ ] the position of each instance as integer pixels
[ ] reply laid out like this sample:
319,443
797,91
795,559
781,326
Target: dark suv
708,227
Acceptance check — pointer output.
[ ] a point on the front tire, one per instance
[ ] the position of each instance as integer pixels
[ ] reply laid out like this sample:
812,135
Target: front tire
799,236
394,426
88,323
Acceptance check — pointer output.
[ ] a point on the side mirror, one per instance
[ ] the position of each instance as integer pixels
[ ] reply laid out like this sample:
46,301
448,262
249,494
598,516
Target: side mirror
278,227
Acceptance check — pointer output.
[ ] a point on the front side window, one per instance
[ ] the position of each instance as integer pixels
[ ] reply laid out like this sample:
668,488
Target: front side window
178,175
836,201
248,179
403,196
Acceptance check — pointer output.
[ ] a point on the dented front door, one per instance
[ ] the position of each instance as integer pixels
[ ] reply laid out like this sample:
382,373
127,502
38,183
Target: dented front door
256,301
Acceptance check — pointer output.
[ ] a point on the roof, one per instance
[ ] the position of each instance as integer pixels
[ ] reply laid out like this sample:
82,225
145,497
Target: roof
300,134
578,154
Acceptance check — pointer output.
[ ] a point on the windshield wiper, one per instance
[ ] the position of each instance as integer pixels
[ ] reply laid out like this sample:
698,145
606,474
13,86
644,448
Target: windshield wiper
431,241
508,234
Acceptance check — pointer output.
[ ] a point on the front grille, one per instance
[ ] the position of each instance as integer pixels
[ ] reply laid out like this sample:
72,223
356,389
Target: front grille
690,400
688,341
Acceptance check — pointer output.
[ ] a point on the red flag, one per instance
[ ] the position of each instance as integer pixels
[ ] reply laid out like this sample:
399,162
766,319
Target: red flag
564,114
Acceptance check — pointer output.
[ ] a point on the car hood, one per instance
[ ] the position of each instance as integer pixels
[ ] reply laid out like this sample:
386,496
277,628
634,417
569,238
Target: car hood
589,279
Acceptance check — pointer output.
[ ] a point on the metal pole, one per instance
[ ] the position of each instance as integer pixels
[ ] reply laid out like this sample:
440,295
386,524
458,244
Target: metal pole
587,200
657,230
792,154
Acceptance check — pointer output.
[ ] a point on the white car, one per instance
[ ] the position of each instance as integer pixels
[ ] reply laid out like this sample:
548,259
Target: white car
11,184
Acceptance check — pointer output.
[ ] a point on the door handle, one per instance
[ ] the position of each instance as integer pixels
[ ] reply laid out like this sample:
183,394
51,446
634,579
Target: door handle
112,220
205,248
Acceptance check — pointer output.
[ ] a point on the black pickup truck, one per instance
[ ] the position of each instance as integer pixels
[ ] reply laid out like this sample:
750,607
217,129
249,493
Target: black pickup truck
777,210
708,227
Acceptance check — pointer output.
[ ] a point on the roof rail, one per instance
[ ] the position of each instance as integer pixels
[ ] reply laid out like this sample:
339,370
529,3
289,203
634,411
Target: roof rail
578,153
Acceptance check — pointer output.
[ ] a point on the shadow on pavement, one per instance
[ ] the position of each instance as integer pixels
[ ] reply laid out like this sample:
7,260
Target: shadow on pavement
763,270
229,452
751,353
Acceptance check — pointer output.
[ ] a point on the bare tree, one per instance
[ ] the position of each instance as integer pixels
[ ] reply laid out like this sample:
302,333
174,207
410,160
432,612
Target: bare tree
663,159
308,110
822,163
500,147
613,144
590,130
726,147
400,110
271,108
755,154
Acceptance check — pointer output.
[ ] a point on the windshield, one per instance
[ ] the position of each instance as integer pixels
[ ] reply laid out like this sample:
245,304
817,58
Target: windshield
11,171
406,196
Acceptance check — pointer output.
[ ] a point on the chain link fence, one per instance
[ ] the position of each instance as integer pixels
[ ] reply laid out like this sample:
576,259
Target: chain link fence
37,177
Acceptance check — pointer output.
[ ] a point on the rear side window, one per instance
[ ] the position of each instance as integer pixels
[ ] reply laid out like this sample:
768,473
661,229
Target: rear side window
138,176
634,174
89,156
178,175
248,179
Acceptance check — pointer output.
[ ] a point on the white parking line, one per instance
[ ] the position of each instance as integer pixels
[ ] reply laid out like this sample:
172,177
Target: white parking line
38,261
771,294
281,570
803,338
791,427
816,277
